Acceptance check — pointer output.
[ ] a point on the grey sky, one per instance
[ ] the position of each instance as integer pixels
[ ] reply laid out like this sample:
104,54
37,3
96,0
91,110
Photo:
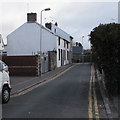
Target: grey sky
76,18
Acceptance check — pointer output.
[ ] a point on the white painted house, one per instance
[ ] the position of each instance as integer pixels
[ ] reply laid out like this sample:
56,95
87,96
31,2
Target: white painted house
25,40
64,44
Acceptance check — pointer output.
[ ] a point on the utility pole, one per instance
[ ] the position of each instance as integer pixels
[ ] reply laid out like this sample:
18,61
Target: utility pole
47,9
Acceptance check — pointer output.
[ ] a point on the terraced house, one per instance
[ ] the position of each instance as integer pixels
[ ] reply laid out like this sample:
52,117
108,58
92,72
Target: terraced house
32,39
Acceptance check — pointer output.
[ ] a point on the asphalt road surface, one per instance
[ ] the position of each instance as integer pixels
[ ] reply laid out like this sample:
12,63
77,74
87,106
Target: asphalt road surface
64,97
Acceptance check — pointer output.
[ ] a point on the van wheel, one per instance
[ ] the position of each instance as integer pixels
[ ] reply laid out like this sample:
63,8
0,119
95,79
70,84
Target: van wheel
5,94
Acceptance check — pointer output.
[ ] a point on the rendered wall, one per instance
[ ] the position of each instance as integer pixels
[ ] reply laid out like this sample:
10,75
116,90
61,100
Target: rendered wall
26,40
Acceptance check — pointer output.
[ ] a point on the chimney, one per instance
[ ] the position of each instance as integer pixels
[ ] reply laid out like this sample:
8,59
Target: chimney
31,17
56,24
76,43
80,44
48,25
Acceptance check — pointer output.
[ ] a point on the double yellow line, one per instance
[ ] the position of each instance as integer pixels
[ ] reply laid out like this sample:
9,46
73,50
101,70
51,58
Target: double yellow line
93,107
93,110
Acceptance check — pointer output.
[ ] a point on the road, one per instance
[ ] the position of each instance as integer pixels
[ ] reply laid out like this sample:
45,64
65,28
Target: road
67,96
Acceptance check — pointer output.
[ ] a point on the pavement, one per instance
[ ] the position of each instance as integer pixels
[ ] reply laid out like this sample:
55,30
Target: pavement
111,104
21,83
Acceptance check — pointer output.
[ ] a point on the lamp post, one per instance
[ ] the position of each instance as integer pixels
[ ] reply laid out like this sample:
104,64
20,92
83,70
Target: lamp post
46,9
82,50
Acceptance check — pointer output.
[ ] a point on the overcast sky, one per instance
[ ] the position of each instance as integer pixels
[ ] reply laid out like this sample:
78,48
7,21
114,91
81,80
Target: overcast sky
77,18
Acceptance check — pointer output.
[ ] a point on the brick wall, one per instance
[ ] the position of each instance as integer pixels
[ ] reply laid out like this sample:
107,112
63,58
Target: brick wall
23,65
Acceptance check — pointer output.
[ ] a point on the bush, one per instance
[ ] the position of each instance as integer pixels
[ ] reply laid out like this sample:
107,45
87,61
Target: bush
105,40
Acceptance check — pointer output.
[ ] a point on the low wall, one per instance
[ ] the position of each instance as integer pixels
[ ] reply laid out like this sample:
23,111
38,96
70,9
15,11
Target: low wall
79,58
23,65
52,60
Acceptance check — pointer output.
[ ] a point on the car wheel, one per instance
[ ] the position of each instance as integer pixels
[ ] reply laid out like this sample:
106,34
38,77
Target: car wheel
5,95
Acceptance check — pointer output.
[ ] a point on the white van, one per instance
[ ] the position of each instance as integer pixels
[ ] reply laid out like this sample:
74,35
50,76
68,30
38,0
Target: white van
5,86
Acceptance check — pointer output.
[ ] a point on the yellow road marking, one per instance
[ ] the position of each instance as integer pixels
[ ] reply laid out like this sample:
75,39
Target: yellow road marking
95,100
92,92
90,112
90,109
30,89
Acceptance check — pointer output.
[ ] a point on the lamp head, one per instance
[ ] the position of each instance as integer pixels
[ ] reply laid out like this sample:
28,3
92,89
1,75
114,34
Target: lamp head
47,9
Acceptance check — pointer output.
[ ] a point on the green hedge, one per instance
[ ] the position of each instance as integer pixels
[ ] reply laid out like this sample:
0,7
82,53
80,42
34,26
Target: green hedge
105,41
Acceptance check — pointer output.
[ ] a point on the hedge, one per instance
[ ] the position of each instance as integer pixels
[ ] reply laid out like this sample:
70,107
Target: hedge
105,41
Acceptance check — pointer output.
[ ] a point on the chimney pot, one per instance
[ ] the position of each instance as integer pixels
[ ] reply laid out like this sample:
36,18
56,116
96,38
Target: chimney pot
56,24
48,25
31,17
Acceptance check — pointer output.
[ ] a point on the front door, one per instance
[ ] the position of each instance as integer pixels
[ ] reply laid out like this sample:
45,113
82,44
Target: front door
61,57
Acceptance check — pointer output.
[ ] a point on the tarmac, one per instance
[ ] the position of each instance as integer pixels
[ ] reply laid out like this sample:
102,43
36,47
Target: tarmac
21,83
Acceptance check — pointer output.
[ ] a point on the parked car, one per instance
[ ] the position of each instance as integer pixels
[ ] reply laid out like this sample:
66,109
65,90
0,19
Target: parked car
5,87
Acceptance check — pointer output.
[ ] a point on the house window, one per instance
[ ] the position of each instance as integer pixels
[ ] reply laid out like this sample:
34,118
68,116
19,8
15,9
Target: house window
59,41
64,43
67,55
59,54
55,30
67,44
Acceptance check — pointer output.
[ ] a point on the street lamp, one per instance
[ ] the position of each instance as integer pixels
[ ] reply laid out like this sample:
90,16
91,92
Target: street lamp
47,9
82,50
